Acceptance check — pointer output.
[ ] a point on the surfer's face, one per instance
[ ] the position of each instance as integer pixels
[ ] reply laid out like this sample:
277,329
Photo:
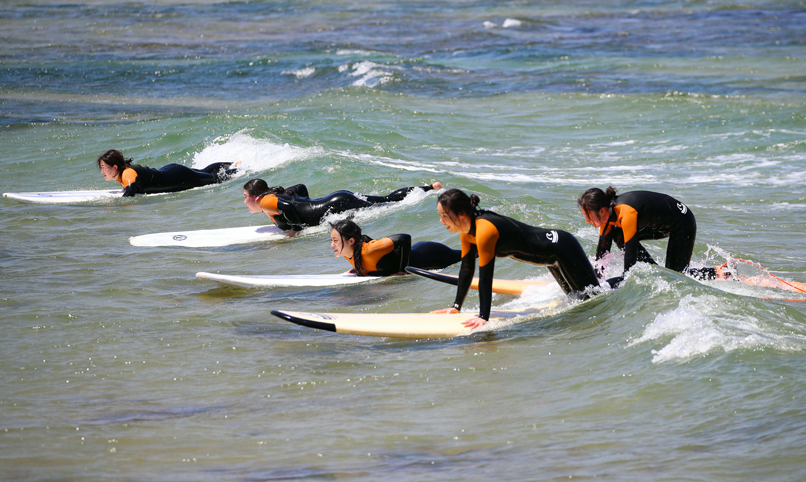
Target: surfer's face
340,246
252,202
451,221
110,173
596,218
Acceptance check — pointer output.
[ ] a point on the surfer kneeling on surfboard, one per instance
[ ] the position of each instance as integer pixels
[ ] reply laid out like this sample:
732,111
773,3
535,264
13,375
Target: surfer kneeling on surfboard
634,216
292,210
137,179
387,256
490,235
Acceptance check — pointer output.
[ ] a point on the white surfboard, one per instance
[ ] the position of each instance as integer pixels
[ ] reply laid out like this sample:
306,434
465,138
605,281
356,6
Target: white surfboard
64,197
313,280
404,325
209,238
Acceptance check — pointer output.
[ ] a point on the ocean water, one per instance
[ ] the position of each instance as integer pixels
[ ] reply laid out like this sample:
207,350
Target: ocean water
116,363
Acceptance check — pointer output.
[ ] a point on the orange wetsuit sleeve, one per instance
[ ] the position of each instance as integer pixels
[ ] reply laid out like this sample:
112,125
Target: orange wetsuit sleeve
486,238
627,220
128,177
269,202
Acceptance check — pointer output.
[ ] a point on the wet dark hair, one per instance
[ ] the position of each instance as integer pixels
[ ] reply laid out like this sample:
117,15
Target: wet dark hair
456,202
349,230
595,199
114,158
259,187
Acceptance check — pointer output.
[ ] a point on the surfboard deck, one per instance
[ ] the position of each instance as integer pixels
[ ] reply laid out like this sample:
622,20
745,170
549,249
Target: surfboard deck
398,325
64,197
505,286
314,280
210,238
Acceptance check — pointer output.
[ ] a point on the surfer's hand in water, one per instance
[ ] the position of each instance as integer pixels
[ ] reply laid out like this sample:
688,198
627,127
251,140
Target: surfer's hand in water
474,323
446,310
292,234
437,186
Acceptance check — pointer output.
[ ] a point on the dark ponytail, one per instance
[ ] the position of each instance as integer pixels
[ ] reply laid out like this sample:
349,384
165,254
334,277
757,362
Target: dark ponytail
114,158
349,230
594,199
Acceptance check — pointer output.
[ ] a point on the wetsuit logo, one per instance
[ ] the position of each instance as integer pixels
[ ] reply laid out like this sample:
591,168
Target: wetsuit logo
553,237
682,207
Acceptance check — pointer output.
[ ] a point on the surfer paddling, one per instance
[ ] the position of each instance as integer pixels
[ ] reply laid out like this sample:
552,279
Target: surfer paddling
490,235
387,256
136,179
635,216
291,209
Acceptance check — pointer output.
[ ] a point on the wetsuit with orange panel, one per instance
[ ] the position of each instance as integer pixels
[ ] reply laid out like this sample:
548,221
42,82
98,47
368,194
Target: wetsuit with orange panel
391,255
136,179
295,212
494,236
640,215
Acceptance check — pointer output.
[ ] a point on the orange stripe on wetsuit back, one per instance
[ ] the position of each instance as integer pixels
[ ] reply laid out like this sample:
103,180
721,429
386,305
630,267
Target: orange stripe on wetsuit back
626,219
485,240
128,176
372,253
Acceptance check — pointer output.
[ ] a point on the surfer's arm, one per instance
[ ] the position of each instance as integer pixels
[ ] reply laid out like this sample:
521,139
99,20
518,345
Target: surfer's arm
129,182
466,271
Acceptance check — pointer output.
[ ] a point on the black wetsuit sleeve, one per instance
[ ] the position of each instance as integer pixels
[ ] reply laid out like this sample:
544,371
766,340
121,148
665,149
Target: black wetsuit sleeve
486,289
466,272
605,243
130,190
289,212
299,189
631,253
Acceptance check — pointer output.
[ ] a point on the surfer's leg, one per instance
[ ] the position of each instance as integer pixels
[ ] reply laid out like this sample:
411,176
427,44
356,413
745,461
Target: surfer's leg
432,255
399,195
681,246
221,170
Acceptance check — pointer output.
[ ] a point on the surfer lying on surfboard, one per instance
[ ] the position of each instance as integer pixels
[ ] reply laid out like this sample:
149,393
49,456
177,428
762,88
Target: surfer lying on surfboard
634,216
136,179
291,210
491,235
387,256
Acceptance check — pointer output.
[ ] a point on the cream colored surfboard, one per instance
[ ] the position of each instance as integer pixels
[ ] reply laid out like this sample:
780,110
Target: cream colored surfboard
403,325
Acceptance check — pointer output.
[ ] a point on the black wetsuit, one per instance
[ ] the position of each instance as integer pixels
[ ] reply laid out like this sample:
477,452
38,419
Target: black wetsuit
492,235
640,215
296,212
137,179
391,255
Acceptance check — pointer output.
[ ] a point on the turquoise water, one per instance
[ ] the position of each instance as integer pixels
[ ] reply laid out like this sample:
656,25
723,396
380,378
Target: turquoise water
118,364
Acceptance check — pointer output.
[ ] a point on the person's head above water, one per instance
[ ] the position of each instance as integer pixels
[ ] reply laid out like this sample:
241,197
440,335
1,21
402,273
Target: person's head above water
112,164
457,210
346,240
595,205
255,189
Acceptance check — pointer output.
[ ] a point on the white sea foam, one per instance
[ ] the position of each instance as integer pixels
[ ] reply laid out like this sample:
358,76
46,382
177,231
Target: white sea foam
706,324
370,74
250,154
300,73
511,22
